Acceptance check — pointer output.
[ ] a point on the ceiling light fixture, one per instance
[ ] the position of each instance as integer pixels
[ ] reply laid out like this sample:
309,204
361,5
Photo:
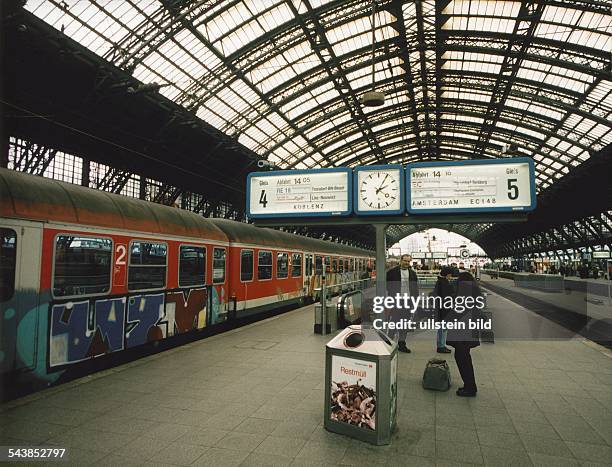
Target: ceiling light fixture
373,98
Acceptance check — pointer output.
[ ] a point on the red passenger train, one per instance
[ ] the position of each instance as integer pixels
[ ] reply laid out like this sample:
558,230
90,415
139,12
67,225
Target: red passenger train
85,273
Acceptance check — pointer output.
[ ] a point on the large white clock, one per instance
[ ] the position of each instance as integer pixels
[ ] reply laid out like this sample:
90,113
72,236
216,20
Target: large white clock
379,189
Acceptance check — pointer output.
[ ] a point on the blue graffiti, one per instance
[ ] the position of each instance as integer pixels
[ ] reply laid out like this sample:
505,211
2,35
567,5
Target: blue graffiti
145,315
77,332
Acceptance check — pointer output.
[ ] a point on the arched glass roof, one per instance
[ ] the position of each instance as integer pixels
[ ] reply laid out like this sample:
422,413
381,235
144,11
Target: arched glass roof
463,79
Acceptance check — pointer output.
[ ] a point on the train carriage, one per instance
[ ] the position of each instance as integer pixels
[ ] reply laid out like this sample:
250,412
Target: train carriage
85,273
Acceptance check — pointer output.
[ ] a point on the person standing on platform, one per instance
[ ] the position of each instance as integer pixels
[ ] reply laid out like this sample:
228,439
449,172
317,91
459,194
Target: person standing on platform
402,280
464,340
442,289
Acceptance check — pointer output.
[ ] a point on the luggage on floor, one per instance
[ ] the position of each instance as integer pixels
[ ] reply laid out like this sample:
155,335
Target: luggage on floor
437,375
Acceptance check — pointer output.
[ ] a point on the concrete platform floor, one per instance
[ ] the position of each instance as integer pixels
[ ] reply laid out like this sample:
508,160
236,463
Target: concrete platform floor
254,396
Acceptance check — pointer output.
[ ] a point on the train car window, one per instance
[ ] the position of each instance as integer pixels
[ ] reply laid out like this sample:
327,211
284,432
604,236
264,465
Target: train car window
147,269
246,265
218,265
309,265
8,263
82,265
282,265
296,265
192,265
318,265
340,265
327,265
346,265
264,265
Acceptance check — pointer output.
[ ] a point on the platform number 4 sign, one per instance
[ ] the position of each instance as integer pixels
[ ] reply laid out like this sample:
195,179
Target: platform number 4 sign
262,198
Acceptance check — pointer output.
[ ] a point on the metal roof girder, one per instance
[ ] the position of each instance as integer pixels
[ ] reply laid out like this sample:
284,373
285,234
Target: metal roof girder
339,78
524,28
238,73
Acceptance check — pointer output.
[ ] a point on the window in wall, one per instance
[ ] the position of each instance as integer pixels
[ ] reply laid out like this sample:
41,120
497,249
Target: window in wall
147,268
264,265
192,265
282,265
246,265
82,265
218,265
8,263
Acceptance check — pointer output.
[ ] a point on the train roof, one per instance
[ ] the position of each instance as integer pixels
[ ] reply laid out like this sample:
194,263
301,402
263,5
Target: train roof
30,197
246,233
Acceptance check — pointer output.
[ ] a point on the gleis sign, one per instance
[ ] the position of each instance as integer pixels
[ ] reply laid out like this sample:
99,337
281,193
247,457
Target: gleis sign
471,186
291,193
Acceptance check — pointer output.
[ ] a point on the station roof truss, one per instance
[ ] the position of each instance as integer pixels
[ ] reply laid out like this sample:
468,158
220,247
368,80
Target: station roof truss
463,79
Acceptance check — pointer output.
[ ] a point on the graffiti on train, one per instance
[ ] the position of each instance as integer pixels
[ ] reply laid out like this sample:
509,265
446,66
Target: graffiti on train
80,330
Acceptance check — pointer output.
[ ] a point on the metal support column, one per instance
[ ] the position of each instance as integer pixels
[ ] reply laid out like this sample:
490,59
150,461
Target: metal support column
85,173
4,149
323,304
381,259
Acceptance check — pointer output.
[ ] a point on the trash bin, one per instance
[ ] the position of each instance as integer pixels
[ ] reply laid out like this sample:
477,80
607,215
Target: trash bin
361,384
332,318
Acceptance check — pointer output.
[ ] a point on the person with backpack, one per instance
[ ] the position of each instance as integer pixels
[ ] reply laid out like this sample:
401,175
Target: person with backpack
464,340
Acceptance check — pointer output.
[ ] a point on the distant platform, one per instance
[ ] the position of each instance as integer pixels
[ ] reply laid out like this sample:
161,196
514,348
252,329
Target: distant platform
255,395
578,311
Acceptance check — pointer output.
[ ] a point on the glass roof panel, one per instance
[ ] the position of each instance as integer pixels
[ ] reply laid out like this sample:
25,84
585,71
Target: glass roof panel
257,75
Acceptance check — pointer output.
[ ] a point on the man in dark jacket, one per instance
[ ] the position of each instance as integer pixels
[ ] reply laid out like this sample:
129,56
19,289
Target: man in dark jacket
401,280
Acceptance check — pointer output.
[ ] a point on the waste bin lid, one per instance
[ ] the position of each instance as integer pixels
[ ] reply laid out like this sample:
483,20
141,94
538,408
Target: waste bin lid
363,339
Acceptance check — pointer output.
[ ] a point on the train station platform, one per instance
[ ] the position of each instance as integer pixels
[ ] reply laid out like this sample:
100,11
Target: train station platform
255,395
583,312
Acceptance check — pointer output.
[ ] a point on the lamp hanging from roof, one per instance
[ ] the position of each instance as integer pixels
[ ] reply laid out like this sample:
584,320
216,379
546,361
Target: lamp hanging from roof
373,98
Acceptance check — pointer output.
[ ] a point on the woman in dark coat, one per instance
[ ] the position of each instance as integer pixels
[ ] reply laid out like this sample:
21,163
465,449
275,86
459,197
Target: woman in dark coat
463,340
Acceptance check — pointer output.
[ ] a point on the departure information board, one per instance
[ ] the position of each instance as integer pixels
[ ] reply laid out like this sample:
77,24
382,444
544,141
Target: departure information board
471,186
291,193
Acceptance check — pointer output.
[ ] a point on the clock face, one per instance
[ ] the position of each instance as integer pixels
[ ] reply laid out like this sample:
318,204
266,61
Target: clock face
379,190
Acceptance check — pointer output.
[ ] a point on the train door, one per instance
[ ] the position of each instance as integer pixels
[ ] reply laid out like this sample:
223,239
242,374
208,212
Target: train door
318,274
247,273
219,309
334,270
308,270
23,308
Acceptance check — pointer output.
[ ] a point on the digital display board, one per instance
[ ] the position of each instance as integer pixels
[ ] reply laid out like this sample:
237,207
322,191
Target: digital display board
471,186
295,193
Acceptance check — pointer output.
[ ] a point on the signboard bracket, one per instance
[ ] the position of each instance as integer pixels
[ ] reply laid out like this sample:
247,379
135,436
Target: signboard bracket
476,218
